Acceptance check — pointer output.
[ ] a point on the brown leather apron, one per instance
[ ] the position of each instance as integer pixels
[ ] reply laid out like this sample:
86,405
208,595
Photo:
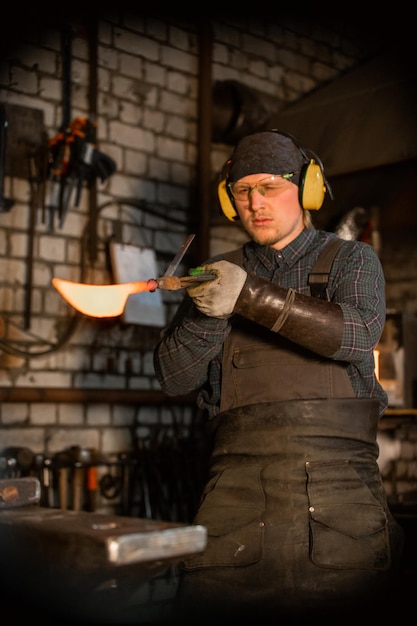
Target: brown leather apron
294,506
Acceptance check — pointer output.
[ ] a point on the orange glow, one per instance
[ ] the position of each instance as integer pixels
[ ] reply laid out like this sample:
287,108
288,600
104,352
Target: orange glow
110,300
100,300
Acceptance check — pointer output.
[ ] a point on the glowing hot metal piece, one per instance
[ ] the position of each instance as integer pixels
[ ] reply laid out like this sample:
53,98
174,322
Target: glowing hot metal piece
110,300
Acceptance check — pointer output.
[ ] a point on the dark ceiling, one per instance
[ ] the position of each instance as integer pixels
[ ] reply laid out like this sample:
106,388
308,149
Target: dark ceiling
365,119
364,128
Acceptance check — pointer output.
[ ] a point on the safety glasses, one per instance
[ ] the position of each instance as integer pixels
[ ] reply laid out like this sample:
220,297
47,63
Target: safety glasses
269,187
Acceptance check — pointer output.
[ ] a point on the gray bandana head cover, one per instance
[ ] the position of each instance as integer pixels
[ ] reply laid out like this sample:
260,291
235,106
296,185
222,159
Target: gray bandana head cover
268,152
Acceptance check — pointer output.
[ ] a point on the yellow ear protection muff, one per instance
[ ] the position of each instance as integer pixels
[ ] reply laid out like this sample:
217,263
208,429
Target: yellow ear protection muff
312,184
227,202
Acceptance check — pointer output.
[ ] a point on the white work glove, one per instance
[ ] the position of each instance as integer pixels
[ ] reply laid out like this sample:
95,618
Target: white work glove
217,297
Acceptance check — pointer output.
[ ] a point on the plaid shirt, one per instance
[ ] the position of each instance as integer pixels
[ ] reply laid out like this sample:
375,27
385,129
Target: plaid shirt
189,355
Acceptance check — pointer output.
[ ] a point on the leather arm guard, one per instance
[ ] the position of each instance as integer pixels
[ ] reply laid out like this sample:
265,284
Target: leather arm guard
309,322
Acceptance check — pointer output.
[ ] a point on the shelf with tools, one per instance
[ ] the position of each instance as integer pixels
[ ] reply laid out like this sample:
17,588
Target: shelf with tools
394,417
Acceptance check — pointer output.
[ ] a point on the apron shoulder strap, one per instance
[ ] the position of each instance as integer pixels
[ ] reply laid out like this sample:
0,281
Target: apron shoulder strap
234,256
319,275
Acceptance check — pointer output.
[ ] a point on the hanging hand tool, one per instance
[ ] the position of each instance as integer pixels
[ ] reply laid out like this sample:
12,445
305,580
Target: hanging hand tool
78,476
75,161
30,241
62,462
5,203
83,477
48,483
92,488
125,462
16,461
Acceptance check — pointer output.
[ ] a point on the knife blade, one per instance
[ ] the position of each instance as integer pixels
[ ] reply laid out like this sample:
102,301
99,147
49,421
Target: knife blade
170,271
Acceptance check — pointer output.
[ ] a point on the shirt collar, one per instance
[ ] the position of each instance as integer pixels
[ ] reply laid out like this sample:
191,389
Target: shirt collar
270,258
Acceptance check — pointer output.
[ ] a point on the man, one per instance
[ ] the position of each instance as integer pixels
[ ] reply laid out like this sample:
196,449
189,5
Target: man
295,509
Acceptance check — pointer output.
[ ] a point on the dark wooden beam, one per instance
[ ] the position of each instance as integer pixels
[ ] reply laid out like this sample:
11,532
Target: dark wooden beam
151,397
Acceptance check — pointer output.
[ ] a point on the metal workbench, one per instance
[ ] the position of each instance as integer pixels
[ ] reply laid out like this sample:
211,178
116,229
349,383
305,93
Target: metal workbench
83,567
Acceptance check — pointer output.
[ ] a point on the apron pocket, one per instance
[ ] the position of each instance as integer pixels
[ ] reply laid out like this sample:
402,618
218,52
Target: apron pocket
234,528
348,526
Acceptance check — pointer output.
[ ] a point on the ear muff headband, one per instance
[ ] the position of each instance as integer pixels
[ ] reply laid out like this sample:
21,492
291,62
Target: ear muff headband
311,189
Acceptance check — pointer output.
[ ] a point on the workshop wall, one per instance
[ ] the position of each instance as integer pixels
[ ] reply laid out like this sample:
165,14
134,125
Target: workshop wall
87,386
